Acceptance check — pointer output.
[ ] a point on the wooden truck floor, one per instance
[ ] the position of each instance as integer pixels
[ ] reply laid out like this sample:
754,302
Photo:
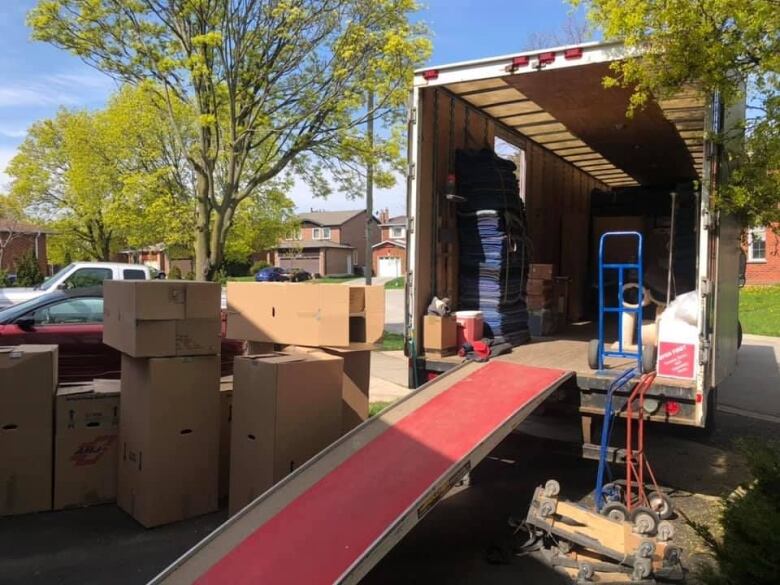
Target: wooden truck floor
339,514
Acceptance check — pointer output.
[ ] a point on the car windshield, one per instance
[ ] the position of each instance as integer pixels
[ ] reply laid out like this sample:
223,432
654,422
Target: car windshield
49,281
15,311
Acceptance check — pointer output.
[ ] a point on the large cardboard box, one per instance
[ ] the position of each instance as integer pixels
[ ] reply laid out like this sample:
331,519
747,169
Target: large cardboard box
542,271
440,334
225,418
86,429
28,380
149,318
356,380
169,438
305,314
286,409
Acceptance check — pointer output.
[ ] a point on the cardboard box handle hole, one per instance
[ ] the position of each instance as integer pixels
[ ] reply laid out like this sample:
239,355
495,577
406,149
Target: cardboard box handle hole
10,427
251,437
94,423
185,431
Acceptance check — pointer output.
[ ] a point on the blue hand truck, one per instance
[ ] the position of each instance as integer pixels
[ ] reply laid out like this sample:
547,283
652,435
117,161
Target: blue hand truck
597,352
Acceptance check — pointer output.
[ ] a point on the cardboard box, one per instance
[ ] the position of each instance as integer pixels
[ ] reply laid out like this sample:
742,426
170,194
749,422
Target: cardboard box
86,430
440,334
28,380
543,322
144,318
169,438
225,417
545,271
356,380
286,409
540,286
536,302
305,314
255,347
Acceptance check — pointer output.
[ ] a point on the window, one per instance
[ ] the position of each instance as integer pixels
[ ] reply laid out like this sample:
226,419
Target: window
325,233
515,154
71,311
133,274
396,232
316,234
757,245
84,277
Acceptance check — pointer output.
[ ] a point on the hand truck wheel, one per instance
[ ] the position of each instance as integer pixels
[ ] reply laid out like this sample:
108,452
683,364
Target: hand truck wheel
645,521
661,504
615,511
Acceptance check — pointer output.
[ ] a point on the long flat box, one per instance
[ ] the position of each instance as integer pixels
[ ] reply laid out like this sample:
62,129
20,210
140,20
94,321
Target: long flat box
286,409
440,334
28,381
162,318
169,438
86,431
356,380
305,314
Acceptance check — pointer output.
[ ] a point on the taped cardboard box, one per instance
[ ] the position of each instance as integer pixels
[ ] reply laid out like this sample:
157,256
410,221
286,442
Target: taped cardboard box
225,417
86,429
162,318
356,379
28,381
169,438
286,409
305,314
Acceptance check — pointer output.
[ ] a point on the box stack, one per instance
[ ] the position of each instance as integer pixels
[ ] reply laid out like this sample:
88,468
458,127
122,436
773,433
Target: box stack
493,256
546,299
28,381
169,333
290,404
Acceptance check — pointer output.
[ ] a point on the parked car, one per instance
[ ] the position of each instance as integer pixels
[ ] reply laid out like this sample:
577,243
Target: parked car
299,275
272,274
79,275
73,320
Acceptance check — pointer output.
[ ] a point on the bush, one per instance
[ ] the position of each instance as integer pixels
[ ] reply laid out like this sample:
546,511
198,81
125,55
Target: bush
220,276
258,266
236,267
175,273
3,278
749,551
190,275
28,273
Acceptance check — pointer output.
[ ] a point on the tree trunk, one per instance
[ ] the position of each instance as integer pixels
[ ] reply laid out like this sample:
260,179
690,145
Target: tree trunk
202,232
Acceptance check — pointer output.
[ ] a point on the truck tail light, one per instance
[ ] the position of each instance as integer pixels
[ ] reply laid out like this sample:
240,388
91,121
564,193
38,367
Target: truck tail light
545,58
672,408
574,53
520,61
430,74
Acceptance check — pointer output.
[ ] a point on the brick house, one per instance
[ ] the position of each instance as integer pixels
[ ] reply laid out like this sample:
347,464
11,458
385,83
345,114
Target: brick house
327,243
18,238
763,256
390,253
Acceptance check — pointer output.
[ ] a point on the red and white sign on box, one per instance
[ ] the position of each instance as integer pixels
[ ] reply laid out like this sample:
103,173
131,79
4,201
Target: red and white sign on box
676,360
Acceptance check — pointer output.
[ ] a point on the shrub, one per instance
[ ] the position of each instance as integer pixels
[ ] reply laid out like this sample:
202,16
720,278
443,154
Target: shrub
257,266
3,278
236,267
28,273
749,551
175,273
190,275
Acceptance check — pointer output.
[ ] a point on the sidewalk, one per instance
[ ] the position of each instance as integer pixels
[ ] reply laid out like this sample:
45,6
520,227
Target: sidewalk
389,375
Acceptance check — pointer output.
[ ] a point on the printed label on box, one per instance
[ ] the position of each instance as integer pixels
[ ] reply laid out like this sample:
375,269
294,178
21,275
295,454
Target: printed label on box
676,360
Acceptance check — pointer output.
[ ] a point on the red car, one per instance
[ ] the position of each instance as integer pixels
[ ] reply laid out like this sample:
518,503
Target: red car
74,321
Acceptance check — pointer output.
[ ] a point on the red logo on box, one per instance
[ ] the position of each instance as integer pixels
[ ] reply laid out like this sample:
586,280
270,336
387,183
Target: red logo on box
676,359
90,452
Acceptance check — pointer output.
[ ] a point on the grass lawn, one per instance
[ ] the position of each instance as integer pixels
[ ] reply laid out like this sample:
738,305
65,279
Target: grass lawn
241,278
395,283
392,341
759,310
376,407
332,279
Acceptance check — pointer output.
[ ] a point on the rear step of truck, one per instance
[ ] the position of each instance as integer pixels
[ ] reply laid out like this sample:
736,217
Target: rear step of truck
334,518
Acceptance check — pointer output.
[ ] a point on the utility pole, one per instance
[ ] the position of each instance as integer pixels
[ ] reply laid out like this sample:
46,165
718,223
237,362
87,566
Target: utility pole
368,268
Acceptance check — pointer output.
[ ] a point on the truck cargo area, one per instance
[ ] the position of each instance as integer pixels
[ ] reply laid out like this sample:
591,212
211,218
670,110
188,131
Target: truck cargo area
584,168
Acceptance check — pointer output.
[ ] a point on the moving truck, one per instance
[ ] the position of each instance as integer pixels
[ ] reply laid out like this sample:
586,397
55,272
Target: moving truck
583,168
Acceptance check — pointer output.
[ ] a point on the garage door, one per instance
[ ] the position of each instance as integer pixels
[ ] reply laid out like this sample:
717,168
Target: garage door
308,262
390,267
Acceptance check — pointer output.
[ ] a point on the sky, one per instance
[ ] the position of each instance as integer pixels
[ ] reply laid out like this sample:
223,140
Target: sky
37,79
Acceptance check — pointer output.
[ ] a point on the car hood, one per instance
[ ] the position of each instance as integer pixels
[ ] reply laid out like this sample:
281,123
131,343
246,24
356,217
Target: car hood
11,296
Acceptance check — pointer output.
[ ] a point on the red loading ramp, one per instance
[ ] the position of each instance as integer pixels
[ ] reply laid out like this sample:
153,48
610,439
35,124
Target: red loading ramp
337,516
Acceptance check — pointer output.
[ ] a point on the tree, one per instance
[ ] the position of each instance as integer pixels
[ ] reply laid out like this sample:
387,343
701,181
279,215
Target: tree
724,46
277,86
104,179
573,31
9,228
28,272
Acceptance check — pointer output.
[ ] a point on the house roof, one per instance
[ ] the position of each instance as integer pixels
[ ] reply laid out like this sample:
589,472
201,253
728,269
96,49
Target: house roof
311,244
329,218
397,220
22,227
397,243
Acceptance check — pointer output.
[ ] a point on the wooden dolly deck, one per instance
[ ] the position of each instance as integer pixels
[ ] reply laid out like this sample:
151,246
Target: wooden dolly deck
334,518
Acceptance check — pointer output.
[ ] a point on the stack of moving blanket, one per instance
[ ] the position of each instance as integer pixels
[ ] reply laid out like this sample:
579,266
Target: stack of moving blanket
493,260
